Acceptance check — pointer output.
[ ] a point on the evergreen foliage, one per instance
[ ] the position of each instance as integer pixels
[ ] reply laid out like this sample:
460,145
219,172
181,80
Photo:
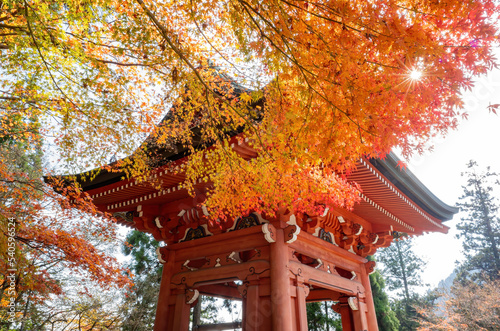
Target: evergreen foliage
402,271
409,312
320,317
472,303
139,307
401,266
386,317
480,226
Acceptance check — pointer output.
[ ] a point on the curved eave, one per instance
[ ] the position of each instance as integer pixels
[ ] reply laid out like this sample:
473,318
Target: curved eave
160,155
413,188
105,177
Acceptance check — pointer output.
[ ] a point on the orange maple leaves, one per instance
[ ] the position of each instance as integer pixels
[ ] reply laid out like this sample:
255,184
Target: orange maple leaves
311,86
337,79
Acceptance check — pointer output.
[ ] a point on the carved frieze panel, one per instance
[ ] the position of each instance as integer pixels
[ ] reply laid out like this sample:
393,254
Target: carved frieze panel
196,233
346,233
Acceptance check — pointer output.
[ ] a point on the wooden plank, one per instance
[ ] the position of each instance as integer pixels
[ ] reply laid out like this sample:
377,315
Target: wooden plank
219,275
216,327
326,280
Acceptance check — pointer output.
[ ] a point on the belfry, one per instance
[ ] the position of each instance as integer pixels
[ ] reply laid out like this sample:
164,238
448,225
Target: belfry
274,265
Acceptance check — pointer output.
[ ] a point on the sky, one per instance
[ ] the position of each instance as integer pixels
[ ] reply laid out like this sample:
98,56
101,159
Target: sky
477,138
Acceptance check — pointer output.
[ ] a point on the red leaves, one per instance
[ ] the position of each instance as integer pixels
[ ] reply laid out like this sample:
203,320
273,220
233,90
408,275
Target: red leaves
493,108
337,89
402,165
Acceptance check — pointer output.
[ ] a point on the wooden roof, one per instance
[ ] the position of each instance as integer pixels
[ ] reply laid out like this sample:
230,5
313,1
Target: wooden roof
392,198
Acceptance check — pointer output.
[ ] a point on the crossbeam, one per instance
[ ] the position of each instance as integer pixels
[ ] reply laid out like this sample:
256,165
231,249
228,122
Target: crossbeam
219,326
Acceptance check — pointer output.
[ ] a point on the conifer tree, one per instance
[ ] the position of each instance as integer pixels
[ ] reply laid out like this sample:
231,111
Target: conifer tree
480,226
402,271
386,317
139,305
321,317
401,266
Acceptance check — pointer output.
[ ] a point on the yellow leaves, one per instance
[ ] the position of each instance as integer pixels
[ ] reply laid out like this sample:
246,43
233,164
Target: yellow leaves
245,98
334,76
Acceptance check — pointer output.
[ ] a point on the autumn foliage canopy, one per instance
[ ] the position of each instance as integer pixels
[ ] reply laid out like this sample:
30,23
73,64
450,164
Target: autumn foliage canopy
311,85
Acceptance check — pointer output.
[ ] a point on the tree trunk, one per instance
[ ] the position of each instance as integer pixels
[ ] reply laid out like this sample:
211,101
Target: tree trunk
403,270
489,235
326,318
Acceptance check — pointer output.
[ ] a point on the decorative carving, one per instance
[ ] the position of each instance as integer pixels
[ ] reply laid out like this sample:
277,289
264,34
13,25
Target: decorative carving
307,260
186,265
291,233
307,290
326,236
345,273
158,222
243,256
248,255
246,222
370,267
205,210
193,265
217,263
353,275
235,256
292,220
191,296
269,232
243,288
196,233
251,220
160,253
357,229
353,303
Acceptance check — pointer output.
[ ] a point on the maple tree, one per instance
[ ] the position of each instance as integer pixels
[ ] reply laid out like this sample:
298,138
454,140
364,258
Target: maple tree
315,85
339,87
96,310
40,240
469,306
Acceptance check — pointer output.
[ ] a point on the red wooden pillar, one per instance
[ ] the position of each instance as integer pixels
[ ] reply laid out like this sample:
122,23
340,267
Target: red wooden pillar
162,321
359,317
370,306
346,315
281,305
181,314
300,307
251,318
